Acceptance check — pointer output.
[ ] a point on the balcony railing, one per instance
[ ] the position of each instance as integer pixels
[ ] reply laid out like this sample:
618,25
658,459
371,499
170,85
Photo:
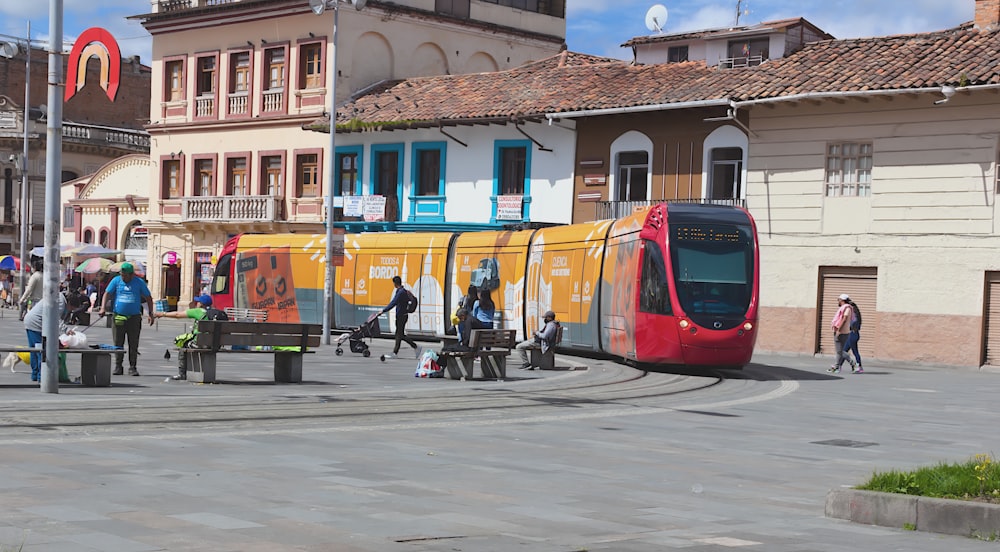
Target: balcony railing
238,103
233,208
133,140
618,209
731,63
204,106
274,100
174,5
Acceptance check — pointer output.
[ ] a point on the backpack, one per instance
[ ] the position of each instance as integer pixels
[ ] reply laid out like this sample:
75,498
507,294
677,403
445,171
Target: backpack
215,314
411,302
856,322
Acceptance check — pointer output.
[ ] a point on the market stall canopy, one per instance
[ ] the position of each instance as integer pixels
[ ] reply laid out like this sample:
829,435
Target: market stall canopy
10,262
95,265
89,250
140,267
78,250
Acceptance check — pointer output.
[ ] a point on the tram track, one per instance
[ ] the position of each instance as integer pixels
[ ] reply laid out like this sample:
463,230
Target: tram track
609,390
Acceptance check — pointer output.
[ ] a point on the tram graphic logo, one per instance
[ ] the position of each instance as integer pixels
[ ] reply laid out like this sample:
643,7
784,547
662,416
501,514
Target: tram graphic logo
94,42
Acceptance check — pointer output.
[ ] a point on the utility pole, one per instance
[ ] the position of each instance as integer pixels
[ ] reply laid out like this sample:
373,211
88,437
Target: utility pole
53,178
24,222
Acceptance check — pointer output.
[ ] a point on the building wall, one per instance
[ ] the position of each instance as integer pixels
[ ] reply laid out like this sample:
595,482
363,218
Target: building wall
103,192
930,226
371,48
675,164
91,104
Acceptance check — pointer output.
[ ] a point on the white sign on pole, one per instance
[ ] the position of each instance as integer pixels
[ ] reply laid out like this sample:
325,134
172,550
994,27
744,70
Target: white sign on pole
509,207
374,208
353,206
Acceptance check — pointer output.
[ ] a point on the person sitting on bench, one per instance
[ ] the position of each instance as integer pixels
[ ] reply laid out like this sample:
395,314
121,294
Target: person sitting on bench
199,309
543,339
466,324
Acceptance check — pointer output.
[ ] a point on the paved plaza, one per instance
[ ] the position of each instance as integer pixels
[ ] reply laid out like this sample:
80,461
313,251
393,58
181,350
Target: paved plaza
363,457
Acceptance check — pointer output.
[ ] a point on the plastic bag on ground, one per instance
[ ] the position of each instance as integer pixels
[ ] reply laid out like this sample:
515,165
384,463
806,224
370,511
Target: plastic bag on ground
427,366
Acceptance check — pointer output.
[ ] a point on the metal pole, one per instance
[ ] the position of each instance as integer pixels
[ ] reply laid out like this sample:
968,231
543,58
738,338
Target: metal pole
24,167
330,180
53,177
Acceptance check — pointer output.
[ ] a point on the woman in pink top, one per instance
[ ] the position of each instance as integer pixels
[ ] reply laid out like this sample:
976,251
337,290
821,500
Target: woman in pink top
841,325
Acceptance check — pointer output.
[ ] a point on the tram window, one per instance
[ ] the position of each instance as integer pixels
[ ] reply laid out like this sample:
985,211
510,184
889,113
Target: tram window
221,283
655,291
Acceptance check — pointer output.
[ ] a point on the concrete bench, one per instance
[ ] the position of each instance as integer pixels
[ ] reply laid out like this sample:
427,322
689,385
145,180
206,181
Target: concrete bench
248,338
493,362
95,364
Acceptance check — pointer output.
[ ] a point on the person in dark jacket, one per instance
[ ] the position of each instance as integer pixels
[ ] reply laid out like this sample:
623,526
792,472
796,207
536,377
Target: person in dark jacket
399,301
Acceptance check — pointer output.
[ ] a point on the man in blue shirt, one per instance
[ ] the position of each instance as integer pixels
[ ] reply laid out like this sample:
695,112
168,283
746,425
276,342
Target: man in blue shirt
126,294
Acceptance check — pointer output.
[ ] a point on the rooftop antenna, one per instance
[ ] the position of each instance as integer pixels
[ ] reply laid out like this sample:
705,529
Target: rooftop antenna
656,18
741,10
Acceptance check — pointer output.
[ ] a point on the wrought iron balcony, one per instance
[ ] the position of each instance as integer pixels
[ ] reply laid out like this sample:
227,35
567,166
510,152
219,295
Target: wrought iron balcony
618,209
233,208
94,135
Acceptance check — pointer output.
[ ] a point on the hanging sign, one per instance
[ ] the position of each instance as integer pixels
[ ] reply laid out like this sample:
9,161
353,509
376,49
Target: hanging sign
374,208
509,207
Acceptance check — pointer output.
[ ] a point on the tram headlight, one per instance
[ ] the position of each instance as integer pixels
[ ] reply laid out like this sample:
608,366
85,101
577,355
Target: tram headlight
747,326
684,324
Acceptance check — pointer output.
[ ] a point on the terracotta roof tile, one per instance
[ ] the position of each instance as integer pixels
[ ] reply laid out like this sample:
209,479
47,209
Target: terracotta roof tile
577,82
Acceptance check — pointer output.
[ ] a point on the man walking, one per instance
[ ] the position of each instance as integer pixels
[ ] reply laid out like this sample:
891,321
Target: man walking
124,298
400,300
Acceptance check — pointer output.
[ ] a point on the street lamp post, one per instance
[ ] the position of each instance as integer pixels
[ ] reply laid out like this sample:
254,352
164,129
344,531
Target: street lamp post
8,50
24,165
318,7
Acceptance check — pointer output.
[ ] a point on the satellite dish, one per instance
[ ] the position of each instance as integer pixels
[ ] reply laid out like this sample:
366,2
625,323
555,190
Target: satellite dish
44,109
656,18
8,49
317,6
360,4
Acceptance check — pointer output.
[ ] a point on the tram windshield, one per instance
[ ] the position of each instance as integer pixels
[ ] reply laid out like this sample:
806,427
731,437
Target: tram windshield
713,267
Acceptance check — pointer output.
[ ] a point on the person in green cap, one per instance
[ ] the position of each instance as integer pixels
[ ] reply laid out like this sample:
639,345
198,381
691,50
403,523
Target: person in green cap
124,298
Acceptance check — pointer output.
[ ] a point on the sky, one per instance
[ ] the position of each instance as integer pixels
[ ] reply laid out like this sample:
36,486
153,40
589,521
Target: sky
596,27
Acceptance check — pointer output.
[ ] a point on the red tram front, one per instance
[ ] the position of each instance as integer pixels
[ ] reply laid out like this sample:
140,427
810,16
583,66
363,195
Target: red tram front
695,279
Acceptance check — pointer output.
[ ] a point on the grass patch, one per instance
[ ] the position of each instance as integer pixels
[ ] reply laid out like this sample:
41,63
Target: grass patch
976,479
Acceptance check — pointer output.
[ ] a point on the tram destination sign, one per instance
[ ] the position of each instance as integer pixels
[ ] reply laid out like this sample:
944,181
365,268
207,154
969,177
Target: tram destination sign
708,234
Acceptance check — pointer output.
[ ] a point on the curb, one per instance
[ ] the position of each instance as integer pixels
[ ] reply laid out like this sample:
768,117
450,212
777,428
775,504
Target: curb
934,515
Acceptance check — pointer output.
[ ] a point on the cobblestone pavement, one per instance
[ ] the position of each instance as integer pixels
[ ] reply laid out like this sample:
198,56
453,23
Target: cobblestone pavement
362,456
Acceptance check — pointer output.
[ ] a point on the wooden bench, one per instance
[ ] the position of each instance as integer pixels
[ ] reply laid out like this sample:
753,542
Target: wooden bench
493,363
547,361
213,335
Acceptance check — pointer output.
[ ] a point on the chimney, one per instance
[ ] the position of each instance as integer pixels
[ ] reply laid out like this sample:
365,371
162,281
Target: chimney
987,15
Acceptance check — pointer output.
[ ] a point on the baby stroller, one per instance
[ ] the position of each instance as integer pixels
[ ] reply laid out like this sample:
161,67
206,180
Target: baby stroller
356,338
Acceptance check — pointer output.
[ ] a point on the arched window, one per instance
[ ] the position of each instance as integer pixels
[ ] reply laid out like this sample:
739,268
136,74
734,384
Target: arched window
724,166
630,177
105,237
88,236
